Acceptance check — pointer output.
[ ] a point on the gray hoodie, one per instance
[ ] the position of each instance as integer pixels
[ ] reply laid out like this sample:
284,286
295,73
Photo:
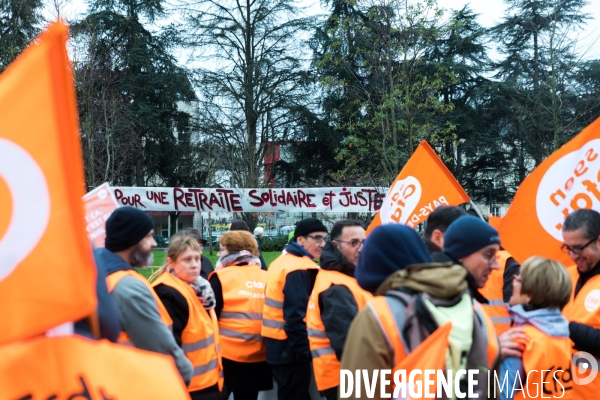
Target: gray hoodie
550,322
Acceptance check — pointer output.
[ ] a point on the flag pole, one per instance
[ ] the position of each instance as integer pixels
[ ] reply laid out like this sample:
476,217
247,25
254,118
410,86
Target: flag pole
476,209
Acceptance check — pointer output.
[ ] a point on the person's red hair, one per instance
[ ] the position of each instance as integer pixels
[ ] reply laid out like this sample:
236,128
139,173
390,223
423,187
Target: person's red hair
235,241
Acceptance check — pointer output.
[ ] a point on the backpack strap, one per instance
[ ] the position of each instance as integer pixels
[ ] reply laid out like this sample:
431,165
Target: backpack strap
417,323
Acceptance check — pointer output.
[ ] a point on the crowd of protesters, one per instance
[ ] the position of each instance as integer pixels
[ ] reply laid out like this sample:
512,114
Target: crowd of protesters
365,305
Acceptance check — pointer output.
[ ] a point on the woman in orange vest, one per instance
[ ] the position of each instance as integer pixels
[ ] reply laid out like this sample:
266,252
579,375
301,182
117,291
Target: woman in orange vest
239,285
540,292
193,327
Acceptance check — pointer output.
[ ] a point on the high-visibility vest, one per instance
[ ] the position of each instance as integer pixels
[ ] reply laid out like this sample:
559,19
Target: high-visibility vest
240,321
585,309
273,321
325,363
113,279
200,337
69,367
497,309
547,365
390,314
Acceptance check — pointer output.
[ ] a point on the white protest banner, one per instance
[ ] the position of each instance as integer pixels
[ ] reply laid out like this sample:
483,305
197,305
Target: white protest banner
340,199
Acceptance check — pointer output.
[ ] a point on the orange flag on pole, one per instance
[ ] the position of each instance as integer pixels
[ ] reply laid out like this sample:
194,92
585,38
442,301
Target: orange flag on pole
423,184
47,276
566,181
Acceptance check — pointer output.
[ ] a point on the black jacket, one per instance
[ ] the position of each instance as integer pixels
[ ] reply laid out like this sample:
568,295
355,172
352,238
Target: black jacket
584,336
337,304
206,267
178,310
296,291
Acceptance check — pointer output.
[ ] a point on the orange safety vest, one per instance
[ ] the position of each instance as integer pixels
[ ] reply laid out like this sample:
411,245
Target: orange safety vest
69,367
200,337
113,279
497,309
326,365
240,321
389,313
547,365
585,309
273,321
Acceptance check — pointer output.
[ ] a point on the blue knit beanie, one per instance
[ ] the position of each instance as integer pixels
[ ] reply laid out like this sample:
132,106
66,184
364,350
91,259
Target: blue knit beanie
468,234
389,248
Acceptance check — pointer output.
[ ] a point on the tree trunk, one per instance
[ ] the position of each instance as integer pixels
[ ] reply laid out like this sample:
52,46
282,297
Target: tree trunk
173,216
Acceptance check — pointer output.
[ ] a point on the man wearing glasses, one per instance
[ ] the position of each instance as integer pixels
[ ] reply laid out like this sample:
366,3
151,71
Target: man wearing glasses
581,236
290,280
334,302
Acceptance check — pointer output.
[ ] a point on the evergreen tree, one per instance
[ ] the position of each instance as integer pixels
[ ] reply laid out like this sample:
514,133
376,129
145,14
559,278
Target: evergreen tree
382,91
20,22
129,90
537,77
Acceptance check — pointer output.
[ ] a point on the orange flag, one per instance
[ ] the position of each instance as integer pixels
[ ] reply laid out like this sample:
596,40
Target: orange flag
47,276
430,354
99,204
423,185
495,221
566,181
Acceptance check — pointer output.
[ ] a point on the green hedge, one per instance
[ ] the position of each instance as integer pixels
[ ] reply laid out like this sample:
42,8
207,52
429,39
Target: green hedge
274,243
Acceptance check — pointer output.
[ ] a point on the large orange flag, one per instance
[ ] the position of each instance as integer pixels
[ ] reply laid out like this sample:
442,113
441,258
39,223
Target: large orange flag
429,355
423,184
47,275
566,181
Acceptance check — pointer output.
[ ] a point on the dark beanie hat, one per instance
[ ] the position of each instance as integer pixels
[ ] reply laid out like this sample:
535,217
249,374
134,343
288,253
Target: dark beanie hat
468,234
308,226
125,227
388,248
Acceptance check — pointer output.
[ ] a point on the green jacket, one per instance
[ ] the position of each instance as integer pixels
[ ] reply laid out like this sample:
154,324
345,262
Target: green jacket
366,345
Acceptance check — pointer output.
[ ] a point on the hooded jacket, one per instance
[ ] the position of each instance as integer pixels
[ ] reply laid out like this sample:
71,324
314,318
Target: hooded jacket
367,348
387,253
549,322
139,315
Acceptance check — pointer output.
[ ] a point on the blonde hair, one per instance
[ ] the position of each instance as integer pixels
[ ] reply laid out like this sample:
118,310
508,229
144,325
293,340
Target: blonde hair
235,241
178,245
546,282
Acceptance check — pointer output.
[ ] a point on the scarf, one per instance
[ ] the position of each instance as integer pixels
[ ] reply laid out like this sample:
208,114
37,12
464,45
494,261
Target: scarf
243,257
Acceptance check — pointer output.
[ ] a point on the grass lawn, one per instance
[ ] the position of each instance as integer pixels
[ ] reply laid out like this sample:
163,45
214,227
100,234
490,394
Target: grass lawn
159,260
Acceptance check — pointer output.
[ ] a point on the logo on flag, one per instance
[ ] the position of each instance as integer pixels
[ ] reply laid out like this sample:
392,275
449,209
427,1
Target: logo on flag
566,181
423,185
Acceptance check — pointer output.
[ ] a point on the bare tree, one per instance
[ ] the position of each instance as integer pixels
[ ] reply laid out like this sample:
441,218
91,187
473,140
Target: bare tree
251,76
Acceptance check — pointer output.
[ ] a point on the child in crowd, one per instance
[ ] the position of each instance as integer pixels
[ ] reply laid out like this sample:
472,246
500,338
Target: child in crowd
540,292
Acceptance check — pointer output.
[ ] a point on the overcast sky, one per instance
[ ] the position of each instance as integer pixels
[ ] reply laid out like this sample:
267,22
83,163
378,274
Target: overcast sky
490,13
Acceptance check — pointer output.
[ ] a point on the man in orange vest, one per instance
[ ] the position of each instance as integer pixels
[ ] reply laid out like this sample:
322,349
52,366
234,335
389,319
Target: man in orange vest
334,302
409,290
498,290
290,280
129,242
581,236
474,244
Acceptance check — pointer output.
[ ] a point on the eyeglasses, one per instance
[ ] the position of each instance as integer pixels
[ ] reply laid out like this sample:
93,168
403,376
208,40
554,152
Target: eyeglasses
490,259
354,242
517,278
318,238
576,250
